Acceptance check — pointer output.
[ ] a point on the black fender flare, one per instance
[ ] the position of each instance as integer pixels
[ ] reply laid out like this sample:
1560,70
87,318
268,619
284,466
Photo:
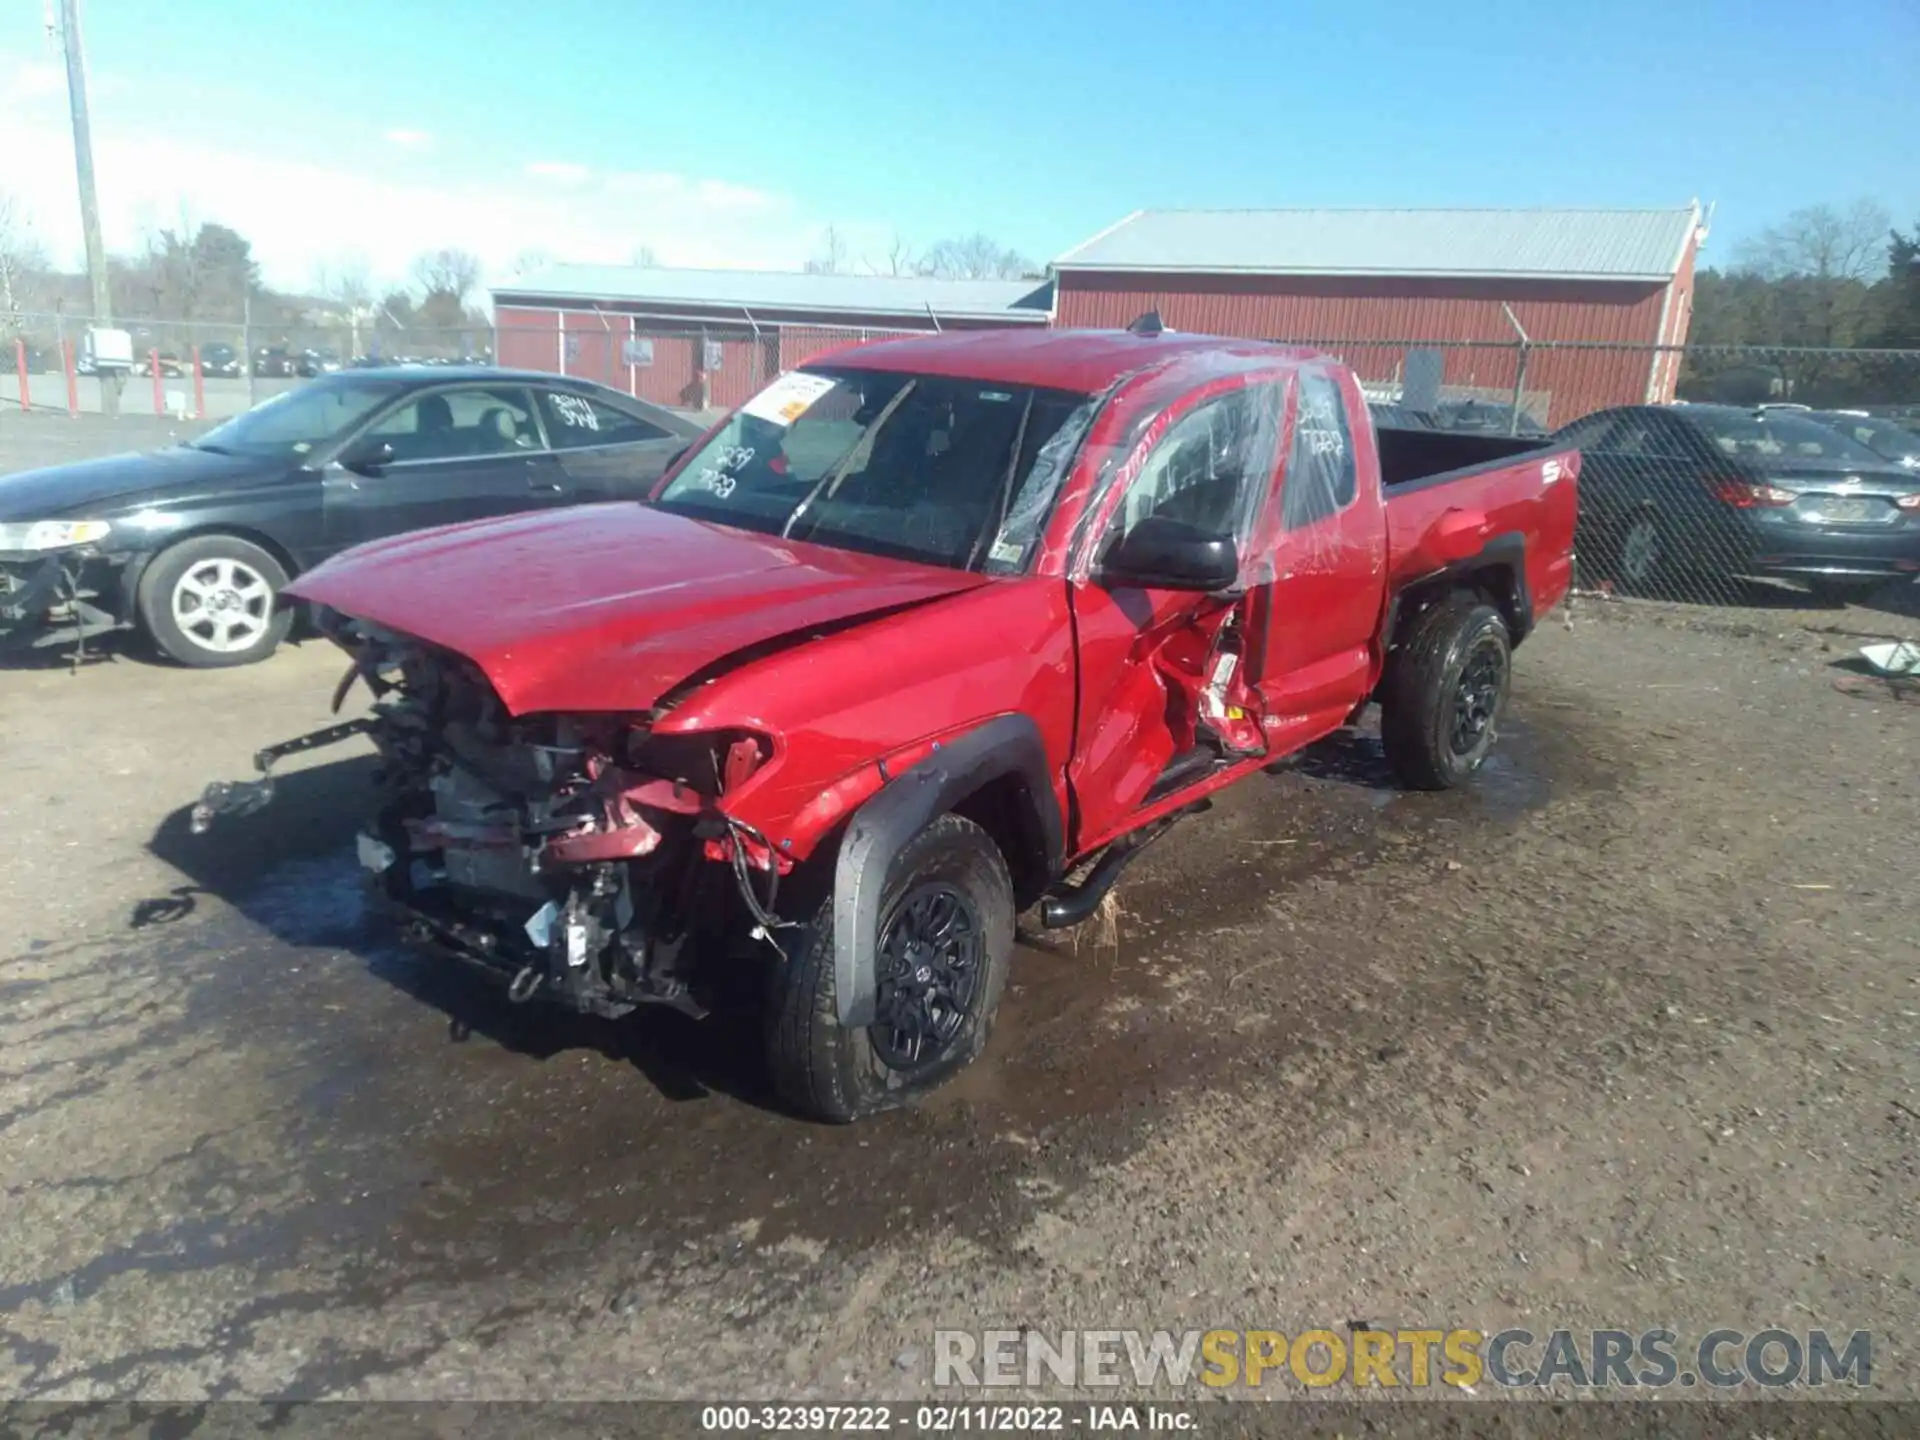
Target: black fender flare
913,800
1509,550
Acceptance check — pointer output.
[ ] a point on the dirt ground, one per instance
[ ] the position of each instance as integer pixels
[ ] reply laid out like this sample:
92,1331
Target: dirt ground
1627,1035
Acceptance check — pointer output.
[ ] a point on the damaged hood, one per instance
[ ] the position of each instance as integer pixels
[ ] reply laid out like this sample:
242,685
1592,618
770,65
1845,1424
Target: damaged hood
608,607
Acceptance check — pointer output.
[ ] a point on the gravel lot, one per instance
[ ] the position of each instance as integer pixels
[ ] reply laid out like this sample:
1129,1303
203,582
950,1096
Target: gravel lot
1627,1035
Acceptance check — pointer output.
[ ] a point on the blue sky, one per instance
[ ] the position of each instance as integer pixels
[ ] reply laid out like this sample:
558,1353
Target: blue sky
733,133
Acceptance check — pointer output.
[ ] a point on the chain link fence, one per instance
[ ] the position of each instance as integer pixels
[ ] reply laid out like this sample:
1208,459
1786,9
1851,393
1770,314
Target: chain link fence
686,364
1714,475
207,370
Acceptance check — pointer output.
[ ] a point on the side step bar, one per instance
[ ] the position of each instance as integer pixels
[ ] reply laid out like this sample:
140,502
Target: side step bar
1069,905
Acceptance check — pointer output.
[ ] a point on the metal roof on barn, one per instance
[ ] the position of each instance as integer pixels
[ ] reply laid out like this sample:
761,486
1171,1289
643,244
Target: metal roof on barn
771,294
1637,245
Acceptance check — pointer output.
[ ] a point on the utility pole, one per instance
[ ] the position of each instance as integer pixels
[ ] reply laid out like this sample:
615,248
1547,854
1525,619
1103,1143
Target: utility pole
89,201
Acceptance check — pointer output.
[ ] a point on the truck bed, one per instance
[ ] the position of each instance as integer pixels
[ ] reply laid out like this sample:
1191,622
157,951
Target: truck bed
1457,500
1410,455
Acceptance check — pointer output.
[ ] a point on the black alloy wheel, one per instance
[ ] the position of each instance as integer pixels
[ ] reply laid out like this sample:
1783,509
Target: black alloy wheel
931,955
1476,699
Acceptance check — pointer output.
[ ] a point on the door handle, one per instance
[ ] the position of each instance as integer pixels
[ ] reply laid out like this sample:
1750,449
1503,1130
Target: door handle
554,485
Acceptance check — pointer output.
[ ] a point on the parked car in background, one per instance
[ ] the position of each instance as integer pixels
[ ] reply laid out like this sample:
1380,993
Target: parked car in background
920,632
1888,440
1481,417
170,364
1717,493
274,361
219,360
193,545
1468,417
310,363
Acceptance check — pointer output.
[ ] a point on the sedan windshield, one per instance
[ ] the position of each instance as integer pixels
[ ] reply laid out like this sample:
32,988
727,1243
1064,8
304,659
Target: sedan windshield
296,422
1772,436
931,468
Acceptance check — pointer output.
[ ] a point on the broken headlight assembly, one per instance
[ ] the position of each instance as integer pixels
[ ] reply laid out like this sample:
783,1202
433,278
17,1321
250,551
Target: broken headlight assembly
576,854
36,535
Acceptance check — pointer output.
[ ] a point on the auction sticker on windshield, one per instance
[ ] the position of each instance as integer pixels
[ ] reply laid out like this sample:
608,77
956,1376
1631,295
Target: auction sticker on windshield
789,397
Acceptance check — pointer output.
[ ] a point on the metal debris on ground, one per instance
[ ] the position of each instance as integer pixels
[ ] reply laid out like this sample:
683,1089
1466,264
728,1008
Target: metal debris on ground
1896,673
1902,657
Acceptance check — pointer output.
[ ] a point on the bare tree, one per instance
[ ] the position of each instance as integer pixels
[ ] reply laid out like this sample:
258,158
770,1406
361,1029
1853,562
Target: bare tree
975,257
445,278
190,271
23,261
644,257
899,258
346,280
454,273
1819,265
832,258
530,260
1824,244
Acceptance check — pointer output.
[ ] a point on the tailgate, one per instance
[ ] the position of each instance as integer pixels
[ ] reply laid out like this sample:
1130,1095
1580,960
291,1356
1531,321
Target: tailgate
1526,506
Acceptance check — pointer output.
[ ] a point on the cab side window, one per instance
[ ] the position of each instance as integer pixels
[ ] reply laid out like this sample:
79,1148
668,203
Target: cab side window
1210,466
1320,479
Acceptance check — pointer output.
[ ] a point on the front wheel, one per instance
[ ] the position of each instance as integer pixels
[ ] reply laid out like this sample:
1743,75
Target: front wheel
945,946
1446,686
213,601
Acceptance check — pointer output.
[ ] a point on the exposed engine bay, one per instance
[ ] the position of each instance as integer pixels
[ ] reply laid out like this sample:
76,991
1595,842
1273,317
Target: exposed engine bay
575,857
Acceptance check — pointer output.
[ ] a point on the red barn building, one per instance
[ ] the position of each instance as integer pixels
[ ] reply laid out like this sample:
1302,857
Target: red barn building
1373,284
703,339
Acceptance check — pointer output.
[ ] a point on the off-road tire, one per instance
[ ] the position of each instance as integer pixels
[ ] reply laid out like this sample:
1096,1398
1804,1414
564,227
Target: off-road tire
154,601
830,1072
1644,557
1423,681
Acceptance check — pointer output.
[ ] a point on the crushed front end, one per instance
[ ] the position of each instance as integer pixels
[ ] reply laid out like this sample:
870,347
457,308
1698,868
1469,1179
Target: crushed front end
60,597
580,859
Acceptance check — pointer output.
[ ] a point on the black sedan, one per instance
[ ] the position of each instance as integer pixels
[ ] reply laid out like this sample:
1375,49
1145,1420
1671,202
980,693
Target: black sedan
192,545
219,360
271,361
1686,499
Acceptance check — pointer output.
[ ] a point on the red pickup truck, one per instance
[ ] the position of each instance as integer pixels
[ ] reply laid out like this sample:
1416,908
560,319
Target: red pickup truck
928,632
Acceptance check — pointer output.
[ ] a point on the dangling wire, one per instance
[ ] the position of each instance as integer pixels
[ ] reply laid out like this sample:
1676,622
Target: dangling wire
765,920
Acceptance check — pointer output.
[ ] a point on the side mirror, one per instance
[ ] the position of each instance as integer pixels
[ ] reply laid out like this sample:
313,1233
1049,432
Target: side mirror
366,455
1161,553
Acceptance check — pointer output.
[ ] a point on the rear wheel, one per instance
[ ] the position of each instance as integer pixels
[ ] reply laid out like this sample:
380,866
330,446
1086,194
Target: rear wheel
1445,689
946,942
214,601
1644,556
